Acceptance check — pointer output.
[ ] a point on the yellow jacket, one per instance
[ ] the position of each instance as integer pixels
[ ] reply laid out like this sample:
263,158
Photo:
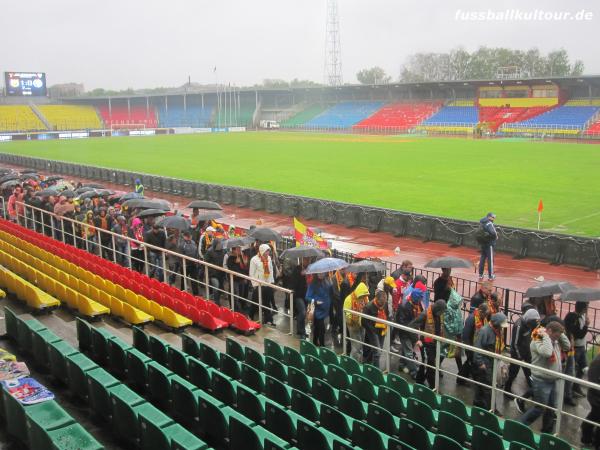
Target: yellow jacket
356,302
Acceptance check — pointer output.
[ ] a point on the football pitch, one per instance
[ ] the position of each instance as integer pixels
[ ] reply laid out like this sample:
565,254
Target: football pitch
451,177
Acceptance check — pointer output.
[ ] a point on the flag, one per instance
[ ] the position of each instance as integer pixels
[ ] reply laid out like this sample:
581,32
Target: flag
306,236
215,69
540,206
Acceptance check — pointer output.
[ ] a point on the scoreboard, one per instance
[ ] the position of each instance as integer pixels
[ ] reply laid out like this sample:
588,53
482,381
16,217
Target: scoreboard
25,84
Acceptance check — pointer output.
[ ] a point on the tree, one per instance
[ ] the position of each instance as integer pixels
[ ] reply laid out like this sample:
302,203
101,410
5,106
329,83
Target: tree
374,75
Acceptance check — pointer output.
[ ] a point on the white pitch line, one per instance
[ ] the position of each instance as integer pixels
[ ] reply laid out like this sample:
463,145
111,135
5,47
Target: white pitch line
580,218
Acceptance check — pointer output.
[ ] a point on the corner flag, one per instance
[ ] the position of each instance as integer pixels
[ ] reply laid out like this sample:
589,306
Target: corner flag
540,209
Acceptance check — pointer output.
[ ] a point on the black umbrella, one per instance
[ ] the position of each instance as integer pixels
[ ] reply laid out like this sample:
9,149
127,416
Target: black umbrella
9,184
302,251
239,242
581,295
93,185
178,222
30,176
89,194
152,212
144,203
366,265
265,235
449,262
54,178
546,288
130,196
209,215
68,193
105,192
46,192
204,204
10,176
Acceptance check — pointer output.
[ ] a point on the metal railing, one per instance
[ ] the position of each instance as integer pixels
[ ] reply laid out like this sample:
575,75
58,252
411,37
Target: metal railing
165,265
442,342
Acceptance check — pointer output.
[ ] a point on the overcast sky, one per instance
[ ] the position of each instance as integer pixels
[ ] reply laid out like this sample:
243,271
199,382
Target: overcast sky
148,43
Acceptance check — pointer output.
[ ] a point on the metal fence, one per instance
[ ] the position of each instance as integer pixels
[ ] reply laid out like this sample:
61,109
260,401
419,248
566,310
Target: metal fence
237,290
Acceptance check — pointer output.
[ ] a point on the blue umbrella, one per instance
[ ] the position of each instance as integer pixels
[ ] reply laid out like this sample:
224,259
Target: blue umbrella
326,265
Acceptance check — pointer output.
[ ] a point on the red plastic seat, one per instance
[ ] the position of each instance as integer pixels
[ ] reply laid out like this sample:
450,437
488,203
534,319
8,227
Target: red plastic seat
243,324
227,315
210,323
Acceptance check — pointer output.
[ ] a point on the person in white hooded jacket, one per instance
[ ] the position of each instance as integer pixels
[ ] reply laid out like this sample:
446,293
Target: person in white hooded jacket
261,268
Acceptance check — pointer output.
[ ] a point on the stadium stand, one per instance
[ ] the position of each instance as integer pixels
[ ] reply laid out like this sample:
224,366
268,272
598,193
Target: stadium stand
71,117
593,128
344,115
561,120
304,116
462,102
191,116
399,116
496,116
452,119
121,115
19,118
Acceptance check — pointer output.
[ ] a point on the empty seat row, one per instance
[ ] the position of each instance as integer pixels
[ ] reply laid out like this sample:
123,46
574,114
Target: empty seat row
25,291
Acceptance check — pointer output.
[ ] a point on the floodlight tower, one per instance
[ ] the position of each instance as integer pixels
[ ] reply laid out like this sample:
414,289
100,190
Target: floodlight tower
333,54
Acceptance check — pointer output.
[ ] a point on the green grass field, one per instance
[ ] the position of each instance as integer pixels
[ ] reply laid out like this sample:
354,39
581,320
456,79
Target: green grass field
458,178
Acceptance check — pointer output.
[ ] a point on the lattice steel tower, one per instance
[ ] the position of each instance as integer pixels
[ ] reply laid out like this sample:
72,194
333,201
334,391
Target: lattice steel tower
333,54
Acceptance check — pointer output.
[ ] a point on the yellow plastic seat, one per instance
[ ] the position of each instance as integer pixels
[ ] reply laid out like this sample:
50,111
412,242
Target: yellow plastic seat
143,304
105,299
94,293
134,316
90,308
109,287
83,287
174,320
116,306
37,299
71,298
156,310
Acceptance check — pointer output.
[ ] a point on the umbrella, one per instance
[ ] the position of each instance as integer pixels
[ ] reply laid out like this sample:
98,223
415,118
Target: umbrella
239,242
68,193
581,295
105,192
89,194
366,266
5,170
130,196
9,184
93,185
204,204
30,176
152,212
83,189
10,176
375,253
178,222
265,235
54,178
144,203
302,251
326,265
546,288
210,215
46,192
449,262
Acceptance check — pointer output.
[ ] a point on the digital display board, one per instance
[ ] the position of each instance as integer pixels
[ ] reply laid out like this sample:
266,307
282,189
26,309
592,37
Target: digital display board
27,84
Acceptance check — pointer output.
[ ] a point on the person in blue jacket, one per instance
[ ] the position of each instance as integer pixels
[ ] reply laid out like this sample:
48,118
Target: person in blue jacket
320,291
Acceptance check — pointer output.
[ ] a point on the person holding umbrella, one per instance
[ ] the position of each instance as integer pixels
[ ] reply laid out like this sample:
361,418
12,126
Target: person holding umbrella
320,292
443,285
261,268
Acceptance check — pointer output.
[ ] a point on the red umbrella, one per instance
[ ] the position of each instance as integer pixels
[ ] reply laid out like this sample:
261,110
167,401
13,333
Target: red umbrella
375,253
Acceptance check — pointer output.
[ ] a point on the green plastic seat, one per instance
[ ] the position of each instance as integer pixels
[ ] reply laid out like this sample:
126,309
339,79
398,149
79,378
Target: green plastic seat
351,405
324,392
350,365
443,442
208,355
399,384
184,403
519,446
42,418
455,406
518,432
178,362
373,374
293,358
305,405
99,351
12,323
141,340
421,413
159,385
84,334
363,388
57,354
211,420
365,436
230,366
337,377
382,420
151,421
71,437
270,445
275,368
314,367
77,366
99,382
328,356
200,374
159,350
255,359
124,417
14,414
252,378
336,421
453,427
242,436
224,418
117,357
250,404
311,437
279,422
182,439
137,370
391,400
277,391
548,441
308,348
298,379
338,445
482,437
235,349
224,388
415,435
25,329
426,395
189,345
273,349
485,419
40,341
